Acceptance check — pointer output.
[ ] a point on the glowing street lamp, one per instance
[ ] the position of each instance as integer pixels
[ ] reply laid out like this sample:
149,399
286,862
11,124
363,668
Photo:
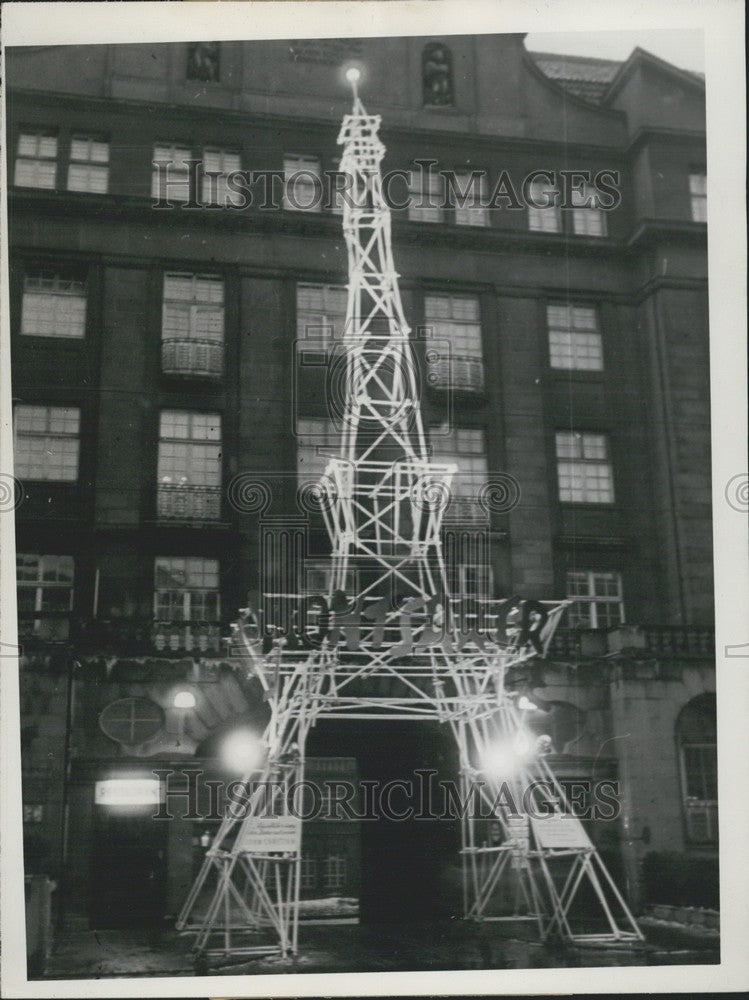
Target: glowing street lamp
184,700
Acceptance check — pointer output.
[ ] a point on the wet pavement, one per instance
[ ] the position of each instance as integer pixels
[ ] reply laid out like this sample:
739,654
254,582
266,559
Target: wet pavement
453,945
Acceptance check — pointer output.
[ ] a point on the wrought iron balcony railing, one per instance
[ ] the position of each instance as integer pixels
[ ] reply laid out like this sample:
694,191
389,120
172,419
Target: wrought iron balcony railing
179,502
664,641
459,373
192,357
146,637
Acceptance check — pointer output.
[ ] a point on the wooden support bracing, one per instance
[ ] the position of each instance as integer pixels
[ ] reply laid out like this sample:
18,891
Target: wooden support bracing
383,512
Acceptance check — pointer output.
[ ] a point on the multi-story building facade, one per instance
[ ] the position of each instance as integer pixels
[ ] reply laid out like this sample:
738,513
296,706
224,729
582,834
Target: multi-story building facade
172,344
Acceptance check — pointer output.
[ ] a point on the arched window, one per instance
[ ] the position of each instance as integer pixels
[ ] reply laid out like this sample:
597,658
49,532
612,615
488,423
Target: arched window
697,741
437,75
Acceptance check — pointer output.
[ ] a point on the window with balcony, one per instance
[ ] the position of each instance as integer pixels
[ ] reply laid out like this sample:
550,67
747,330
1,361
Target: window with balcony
588,219
425,196
597,597
696,734
170,177
47,442
543,206
192,328
698,196
45,588
317,440
189,466
320,316
54,305
217,165
466,447
36,159
88,169
457,320
469,198
574,338
186,602
584,468
303,189
335,871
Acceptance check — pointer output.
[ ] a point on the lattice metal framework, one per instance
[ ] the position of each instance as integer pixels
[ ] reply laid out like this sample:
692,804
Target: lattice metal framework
400,649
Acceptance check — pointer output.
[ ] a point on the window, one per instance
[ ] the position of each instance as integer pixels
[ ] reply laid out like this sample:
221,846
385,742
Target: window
186,589
170,179
317,440
320,316
338,194
131,720
470,198
583,468
54,305
696,734
309,873
597,599
475,580
47,442
698,195
574,338
45,584
425,196
192,327
587,218
217,165
189,469
88,169
335,871
437,75
204,61
303,191
466,447
543,211
36,159
457,319
318,576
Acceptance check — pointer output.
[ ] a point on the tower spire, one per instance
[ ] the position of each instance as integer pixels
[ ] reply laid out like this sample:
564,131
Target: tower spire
385,508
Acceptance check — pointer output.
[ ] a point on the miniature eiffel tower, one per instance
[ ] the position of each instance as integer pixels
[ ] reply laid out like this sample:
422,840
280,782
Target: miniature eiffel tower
396,649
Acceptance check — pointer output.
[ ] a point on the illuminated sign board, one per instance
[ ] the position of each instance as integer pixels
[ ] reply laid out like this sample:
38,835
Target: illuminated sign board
127,792
560,833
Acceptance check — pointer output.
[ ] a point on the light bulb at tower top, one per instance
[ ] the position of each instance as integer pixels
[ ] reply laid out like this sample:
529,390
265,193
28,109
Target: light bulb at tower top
353,75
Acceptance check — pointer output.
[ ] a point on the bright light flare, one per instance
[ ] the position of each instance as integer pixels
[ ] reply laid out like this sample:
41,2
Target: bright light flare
526,705
243,751
353,75
503,759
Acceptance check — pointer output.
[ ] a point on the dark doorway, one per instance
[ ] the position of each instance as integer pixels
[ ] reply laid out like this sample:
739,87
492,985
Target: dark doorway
128,868
407,866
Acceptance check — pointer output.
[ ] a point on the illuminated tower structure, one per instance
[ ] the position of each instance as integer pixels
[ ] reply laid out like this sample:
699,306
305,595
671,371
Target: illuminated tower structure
382,500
